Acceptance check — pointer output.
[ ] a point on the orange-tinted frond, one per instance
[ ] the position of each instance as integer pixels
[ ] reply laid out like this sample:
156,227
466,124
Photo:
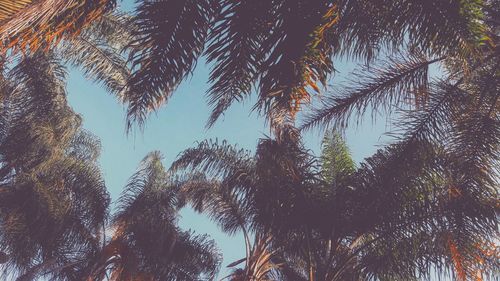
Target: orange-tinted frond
457,260
28,25
8,8
316,61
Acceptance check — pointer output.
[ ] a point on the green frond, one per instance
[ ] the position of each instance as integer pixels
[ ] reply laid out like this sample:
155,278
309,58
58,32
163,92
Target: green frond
97,51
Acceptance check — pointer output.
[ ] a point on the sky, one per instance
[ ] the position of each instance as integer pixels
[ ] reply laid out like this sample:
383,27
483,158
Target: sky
179,125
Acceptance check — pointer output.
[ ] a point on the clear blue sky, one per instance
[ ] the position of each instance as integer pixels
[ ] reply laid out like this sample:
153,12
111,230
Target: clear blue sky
177,126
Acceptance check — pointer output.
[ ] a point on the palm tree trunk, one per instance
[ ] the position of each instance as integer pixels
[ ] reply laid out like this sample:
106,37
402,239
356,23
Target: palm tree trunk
309,261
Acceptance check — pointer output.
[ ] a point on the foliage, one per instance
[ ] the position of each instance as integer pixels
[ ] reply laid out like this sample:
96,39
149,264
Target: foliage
426,203
54,204
282,50
147,243
33,25
53,198
399,216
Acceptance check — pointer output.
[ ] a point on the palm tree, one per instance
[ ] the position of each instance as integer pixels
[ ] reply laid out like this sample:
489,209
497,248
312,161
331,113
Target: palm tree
238,192
454,120
54,204
53,201
394,218
147,244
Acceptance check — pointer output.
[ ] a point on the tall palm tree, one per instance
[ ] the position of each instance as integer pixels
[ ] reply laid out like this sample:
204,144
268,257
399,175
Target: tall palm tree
453,119
394,218
239,193
147,244
54,204
53,201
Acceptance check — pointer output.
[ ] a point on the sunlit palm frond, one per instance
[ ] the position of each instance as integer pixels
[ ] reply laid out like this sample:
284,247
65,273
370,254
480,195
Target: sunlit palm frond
97,51
44,23
9,8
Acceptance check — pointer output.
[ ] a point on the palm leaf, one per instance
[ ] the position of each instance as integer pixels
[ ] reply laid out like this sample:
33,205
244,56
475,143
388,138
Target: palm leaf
235,48
169,36
9,8
44,23
399,81
96,50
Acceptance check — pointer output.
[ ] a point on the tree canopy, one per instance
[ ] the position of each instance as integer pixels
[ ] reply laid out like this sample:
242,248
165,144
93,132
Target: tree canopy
425,204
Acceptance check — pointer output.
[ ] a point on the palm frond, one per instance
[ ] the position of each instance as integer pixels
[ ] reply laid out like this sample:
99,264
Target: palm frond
224,205
42,24
446,28
168,38
235,48
400,80
96,50
297,58
432,122
148,184
9,8
214,159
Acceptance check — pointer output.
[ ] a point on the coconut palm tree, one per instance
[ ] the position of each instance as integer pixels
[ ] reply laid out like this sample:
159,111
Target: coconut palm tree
146,243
